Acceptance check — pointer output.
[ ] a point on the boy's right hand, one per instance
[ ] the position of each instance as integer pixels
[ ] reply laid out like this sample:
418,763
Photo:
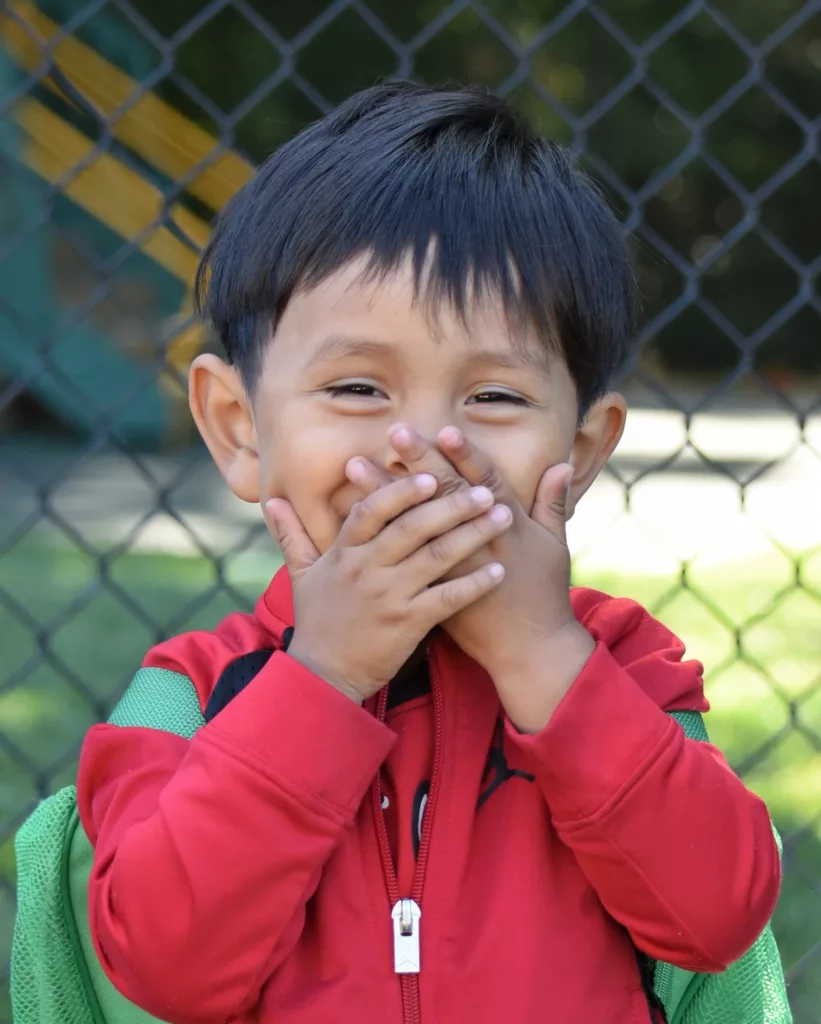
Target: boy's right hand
362,607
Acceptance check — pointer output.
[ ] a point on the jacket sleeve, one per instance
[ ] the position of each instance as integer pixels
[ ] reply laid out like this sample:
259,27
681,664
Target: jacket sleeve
677,849
207,851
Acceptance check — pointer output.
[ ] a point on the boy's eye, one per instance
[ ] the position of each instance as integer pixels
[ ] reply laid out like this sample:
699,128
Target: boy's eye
494,395
357,389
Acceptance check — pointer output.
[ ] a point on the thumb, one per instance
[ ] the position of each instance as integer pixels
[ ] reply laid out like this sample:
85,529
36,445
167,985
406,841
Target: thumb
297,547
550,506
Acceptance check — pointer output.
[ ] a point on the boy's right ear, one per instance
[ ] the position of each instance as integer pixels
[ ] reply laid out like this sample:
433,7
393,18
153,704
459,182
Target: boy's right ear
222,411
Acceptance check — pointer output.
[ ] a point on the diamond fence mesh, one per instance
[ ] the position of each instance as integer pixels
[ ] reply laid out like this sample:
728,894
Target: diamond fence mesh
125,125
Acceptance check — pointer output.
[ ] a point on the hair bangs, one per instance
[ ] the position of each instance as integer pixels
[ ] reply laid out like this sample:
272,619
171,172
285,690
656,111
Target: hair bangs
456,182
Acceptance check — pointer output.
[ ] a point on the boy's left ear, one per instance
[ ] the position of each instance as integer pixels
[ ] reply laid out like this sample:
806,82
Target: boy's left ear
222,411
594,443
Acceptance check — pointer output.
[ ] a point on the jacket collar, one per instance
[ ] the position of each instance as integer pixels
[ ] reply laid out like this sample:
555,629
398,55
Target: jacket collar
275,613
275,607
651,654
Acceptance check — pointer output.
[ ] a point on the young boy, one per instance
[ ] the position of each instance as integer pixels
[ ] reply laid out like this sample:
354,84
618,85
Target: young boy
434,782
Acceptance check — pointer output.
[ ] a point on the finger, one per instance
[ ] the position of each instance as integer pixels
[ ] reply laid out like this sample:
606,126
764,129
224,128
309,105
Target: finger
363,474
428,522
297,547
439,603
421,457
471,463
550,505
371,515
444,553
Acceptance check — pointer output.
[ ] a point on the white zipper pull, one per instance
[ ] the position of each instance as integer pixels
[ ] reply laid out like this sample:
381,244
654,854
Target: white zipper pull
406,915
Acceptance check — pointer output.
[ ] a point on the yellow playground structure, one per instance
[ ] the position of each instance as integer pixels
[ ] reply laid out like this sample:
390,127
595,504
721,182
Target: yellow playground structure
66,360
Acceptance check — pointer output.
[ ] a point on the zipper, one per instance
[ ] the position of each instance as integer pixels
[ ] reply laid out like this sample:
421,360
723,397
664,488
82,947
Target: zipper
406,912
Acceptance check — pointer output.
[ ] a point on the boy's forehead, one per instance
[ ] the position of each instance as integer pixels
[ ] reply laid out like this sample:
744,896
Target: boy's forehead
355,311
342,346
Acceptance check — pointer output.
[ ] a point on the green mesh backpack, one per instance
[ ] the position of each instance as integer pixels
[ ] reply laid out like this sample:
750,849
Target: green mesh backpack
57,979
750,991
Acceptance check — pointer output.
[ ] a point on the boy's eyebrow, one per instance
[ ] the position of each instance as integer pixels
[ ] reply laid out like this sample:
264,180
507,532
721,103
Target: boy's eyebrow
338,346
517,359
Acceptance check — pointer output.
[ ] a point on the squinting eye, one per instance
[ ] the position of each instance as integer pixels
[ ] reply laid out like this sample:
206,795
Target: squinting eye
488,397
356,390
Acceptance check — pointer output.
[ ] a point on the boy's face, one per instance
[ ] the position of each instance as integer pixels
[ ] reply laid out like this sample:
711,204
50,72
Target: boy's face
350,358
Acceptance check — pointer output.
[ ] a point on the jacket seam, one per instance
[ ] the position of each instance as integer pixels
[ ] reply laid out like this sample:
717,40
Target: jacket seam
700,947
622,791
341,813
627,859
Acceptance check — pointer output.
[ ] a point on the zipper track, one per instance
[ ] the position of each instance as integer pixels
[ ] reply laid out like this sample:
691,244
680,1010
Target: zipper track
411,1010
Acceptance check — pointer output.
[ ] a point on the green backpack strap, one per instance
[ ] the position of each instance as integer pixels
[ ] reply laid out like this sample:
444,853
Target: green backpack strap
157,698
750,991
56,977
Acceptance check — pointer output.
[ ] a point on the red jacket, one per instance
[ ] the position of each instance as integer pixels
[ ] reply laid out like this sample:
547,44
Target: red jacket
247,875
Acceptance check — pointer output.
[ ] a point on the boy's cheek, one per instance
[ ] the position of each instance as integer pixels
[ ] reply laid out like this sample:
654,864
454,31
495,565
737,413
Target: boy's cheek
527,499
524,487
522,456
320,513
527,488
322,525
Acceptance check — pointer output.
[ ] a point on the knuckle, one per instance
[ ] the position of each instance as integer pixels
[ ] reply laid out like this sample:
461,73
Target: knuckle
459,503
489,477
360,510
457,594
402,492
352,571
448,597
398,616
484,526
473,584
439,549
451,484
406,495
405,525
478,532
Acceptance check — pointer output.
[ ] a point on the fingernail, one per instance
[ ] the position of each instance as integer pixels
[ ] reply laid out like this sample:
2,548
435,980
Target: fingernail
451,436
496,570
401,434
356,468
500,514
481,495
425,481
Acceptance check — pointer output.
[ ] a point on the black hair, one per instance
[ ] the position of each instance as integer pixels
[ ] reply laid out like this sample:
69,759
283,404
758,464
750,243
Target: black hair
454,177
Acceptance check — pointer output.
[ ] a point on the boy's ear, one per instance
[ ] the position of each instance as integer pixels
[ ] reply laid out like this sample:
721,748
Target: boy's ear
594,443
222,411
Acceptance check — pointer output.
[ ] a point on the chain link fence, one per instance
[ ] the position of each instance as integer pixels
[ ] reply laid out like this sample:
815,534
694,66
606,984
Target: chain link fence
125,125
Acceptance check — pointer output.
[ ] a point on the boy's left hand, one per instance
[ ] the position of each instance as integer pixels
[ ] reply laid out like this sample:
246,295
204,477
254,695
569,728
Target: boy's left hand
524,634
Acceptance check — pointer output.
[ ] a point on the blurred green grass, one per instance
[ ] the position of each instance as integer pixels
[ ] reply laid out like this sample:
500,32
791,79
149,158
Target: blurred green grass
758,635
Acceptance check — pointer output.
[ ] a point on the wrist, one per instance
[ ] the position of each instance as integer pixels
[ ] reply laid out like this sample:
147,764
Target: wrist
323,671
532,686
